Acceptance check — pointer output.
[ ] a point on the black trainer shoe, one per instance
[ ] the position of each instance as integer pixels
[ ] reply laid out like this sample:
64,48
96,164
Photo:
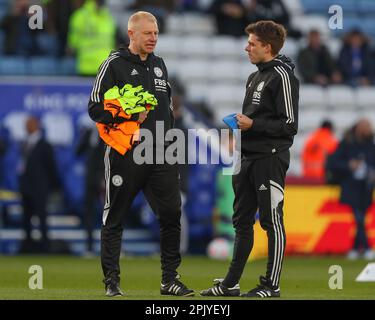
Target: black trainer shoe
112,288
263,290
220,290
176,288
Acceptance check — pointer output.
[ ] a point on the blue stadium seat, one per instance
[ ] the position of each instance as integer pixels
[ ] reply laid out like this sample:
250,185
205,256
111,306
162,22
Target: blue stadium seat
48,44
64,157
201,181
321,6
9,161
350,23
11,158
3,12
369,26
313,6
348,6
366,7
13,65
4,8
43,66
67,66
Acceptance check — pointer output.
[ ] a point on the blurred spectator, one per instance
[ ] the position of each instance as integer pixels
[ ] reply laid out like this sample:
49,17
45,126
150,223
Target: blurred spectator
355,59
204,110
19,38
38,178
58,15
92,35
178,100
223,227
315,63
3,149
271,10
93,147
230,16
372,73
320,144
9,154
2,146
159,8
354,162
191,5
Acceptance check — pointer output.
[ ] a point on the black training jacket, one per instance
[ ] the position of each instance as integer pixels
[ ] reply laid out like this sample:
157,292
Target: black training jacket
122,67
271,100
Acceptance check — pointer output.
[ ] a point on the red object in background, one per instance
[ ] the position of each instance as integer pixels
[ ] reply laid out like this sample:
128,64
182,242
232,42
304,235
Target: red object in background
332,206
304,181
339,236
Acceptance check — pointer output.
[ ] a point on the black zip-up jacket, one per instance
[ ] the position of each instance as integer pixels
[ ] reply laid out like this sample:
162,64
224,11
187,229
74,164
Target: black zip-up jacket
122,67
271,100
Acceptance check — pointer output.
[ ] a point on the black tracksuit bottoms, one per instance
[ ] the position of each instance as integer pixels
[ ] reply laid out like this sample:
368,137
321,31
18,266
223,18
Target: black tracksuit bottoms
161,186
259,186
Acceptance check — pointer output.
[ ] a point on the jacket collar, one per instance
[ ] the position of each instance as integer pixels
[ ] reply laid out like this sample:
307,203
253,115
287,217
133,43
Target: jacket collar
279,60
135,58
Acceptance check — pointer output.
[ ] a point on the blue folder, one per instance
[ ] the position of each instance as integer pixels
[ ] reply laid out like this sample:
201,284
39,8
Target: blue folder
231,121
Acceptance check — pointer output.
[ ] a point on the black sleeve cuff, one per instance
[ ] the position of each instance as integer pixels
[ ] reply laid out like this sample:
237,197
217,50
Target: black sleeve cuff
134,117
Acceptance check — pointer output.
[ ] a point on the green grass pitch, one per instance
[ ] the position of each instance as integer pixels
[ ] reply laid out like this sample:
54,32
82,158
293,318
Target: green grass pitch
66,277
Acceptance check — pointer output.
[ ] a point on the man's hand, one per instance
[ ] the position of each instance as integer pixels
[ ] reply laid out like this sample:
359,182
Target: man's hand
142,117
244,122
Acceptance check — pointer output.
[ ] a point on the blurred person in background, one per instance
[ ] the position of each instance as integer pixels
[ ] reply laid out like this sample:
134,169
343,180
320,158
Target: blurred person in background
315,63
58,16
9,154
3,149
92,147
38,178
372,73
355,59
320,144
91,36
192,5
178,100
273,10
159,8
230,17
223,212
19,38
354,162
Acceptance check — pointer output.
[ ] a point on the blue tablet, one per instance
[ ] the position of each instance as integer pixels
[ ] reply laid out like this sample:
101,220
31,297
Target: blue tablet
231,121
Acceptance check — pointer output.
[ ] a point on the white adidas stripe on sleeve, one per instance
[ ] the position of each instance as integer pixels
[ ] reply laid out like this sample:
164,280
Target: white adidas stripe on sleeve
98,81
287,93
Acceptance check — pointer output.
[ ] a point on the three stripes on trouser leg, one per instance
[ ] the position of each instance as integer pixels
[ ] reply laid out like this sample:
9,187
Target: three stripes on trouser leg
277,196
107,178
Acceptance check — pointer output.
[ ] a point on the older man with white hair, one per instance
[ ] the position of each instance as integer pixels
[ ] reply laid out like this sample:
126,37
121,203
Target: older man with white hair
133,67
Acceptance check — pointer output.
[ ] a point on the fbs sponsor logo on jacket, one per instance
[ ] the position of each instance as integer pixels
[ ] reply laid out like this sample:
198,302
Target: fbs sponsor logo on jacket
258,93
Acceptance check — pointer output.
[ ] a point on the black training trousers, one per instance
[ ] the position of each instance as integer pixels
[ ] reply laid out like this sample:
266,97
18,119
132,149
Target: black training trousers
259,185
160,184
